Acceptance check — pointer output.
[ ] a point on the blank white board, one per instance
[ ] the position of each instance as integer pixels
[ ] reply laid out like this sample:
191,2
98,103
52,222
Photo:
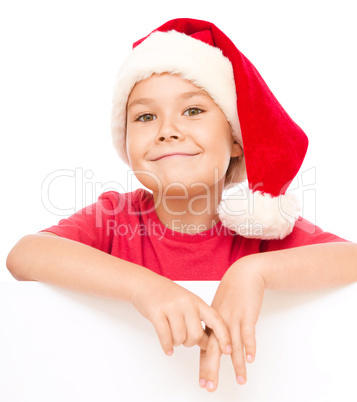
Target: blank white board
57,345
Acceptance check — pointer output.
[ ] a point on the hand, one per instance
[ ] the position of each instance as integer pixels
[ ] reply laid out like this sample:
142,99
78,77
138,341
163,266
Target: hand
176,314
238,300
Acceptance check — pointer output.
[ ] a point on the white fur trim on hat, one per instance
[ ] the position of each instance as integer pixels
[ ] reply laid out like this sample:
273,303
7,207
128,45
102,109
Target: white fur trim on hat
176,53
259,216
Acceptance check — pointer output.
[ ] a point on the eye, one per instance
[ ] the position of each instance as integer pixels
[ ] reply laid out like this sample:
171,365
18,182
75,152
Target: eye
193,111
146,117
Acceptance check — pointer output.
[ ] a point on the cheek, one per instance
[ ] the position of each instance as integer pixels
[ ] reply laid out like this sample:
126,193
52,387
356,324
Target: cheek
221,156
133,148
220,144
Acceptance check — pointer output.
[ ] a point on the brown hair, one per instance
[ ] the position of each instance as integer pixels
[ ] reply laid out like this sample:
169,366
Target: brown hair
235,171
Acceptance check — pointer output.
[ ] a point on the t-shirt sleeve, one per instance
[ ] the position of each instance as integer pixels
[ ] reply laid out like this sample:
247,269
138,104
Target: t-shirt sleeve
304,233
90,224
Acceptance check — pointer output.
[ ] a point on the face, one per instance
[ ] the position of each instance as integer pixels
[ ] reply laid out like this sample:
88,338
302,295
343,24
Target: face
178,139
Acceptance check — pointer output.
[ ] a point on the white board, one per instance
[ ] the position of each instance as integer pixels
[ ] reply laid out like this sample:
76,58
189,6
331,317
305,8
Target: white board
57,345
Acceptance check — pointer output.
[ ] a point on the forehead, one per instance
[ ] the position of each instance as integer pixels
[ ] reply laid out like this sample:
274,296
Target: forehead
162,83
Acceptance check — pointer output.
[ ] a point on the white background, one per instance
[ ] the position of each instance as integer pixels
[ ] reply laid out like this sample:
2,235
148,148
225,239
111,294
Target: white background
58,65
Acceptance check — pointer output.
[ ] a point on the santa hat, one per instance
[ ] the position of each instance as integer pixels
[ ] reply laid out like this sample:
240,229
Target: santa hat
274,146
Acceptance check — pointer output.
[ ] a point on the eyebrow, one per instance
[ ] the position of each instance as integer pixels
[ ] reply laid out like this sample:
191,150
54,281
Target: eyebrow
140,101
188,95
185,95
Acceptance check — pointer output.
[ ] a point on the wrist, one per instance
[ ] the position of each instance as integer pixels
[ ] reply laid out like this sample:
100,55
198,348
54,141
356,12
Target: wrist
145,284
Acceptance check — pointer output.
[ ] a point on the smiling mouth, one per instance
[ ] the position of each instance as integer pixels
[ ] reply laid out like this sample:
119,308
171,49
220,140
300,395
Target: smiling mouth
174,155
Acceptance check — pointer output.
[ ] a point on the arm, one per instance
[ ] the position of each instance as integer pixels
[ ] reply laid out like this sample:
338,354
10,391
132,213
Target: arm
309,267
240,294
175,312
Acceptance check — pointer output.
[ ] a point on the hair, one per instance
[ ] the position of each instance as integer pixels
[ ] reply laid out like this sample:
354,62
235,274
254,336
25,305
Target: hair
235,172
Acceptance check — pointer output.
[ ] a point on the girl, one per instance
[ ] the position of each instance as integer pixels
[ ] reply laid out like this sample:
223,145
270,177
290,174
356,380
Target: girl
192,116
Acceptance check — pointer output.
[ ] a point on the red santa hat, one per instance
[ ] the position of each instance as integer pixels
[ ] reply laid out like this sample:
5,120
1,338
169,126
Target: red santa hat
274,145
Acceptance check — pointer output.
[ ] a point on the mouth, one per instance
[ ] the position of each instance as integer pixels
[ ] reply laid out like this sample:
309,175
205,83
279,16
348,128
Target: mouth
173,155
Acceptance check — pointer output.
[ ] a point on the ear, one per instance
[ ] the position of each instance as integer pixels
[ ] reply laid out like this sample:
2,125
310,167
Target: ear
237,150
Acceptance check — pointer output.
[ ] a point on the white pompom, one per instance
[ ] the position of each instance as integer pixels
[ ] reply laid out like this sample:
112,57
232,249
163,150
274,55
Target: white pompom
257,215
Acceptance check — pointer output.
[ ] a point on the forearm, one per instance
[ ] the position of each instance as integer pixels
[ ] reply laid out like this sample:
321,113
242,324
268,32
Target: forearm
308,267
75,266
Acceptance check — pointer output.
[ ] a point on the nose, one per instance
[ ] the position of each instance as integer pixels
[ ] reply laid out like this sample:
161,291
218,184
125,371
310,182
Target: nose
168,131
163,138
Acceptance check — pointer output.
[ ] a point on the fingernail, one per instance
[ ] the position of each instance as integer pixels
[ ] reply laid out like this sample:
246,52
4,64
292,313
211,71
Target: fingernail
202,382
210,385
249,358
170,352
240,379
229,349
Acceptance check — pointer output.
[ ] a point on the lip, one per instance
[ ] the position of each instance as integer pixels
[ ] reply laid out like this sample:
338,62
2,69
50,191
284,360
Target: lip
173,154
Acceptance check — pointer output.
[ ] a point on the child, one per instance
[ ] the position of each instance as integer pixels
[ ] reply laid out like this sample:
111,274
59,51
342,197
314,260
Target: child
192,116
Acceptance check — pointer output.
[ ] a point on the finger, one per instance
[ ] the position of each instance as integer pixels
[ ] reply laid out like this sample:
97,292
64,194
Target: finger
209,364
178,329
238,355
203,343
214,321
195,332
248,339
163,331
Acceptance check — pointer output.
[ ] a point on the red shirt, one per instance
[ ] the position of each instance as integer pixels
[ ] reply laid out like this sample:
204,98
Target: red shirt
126,226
